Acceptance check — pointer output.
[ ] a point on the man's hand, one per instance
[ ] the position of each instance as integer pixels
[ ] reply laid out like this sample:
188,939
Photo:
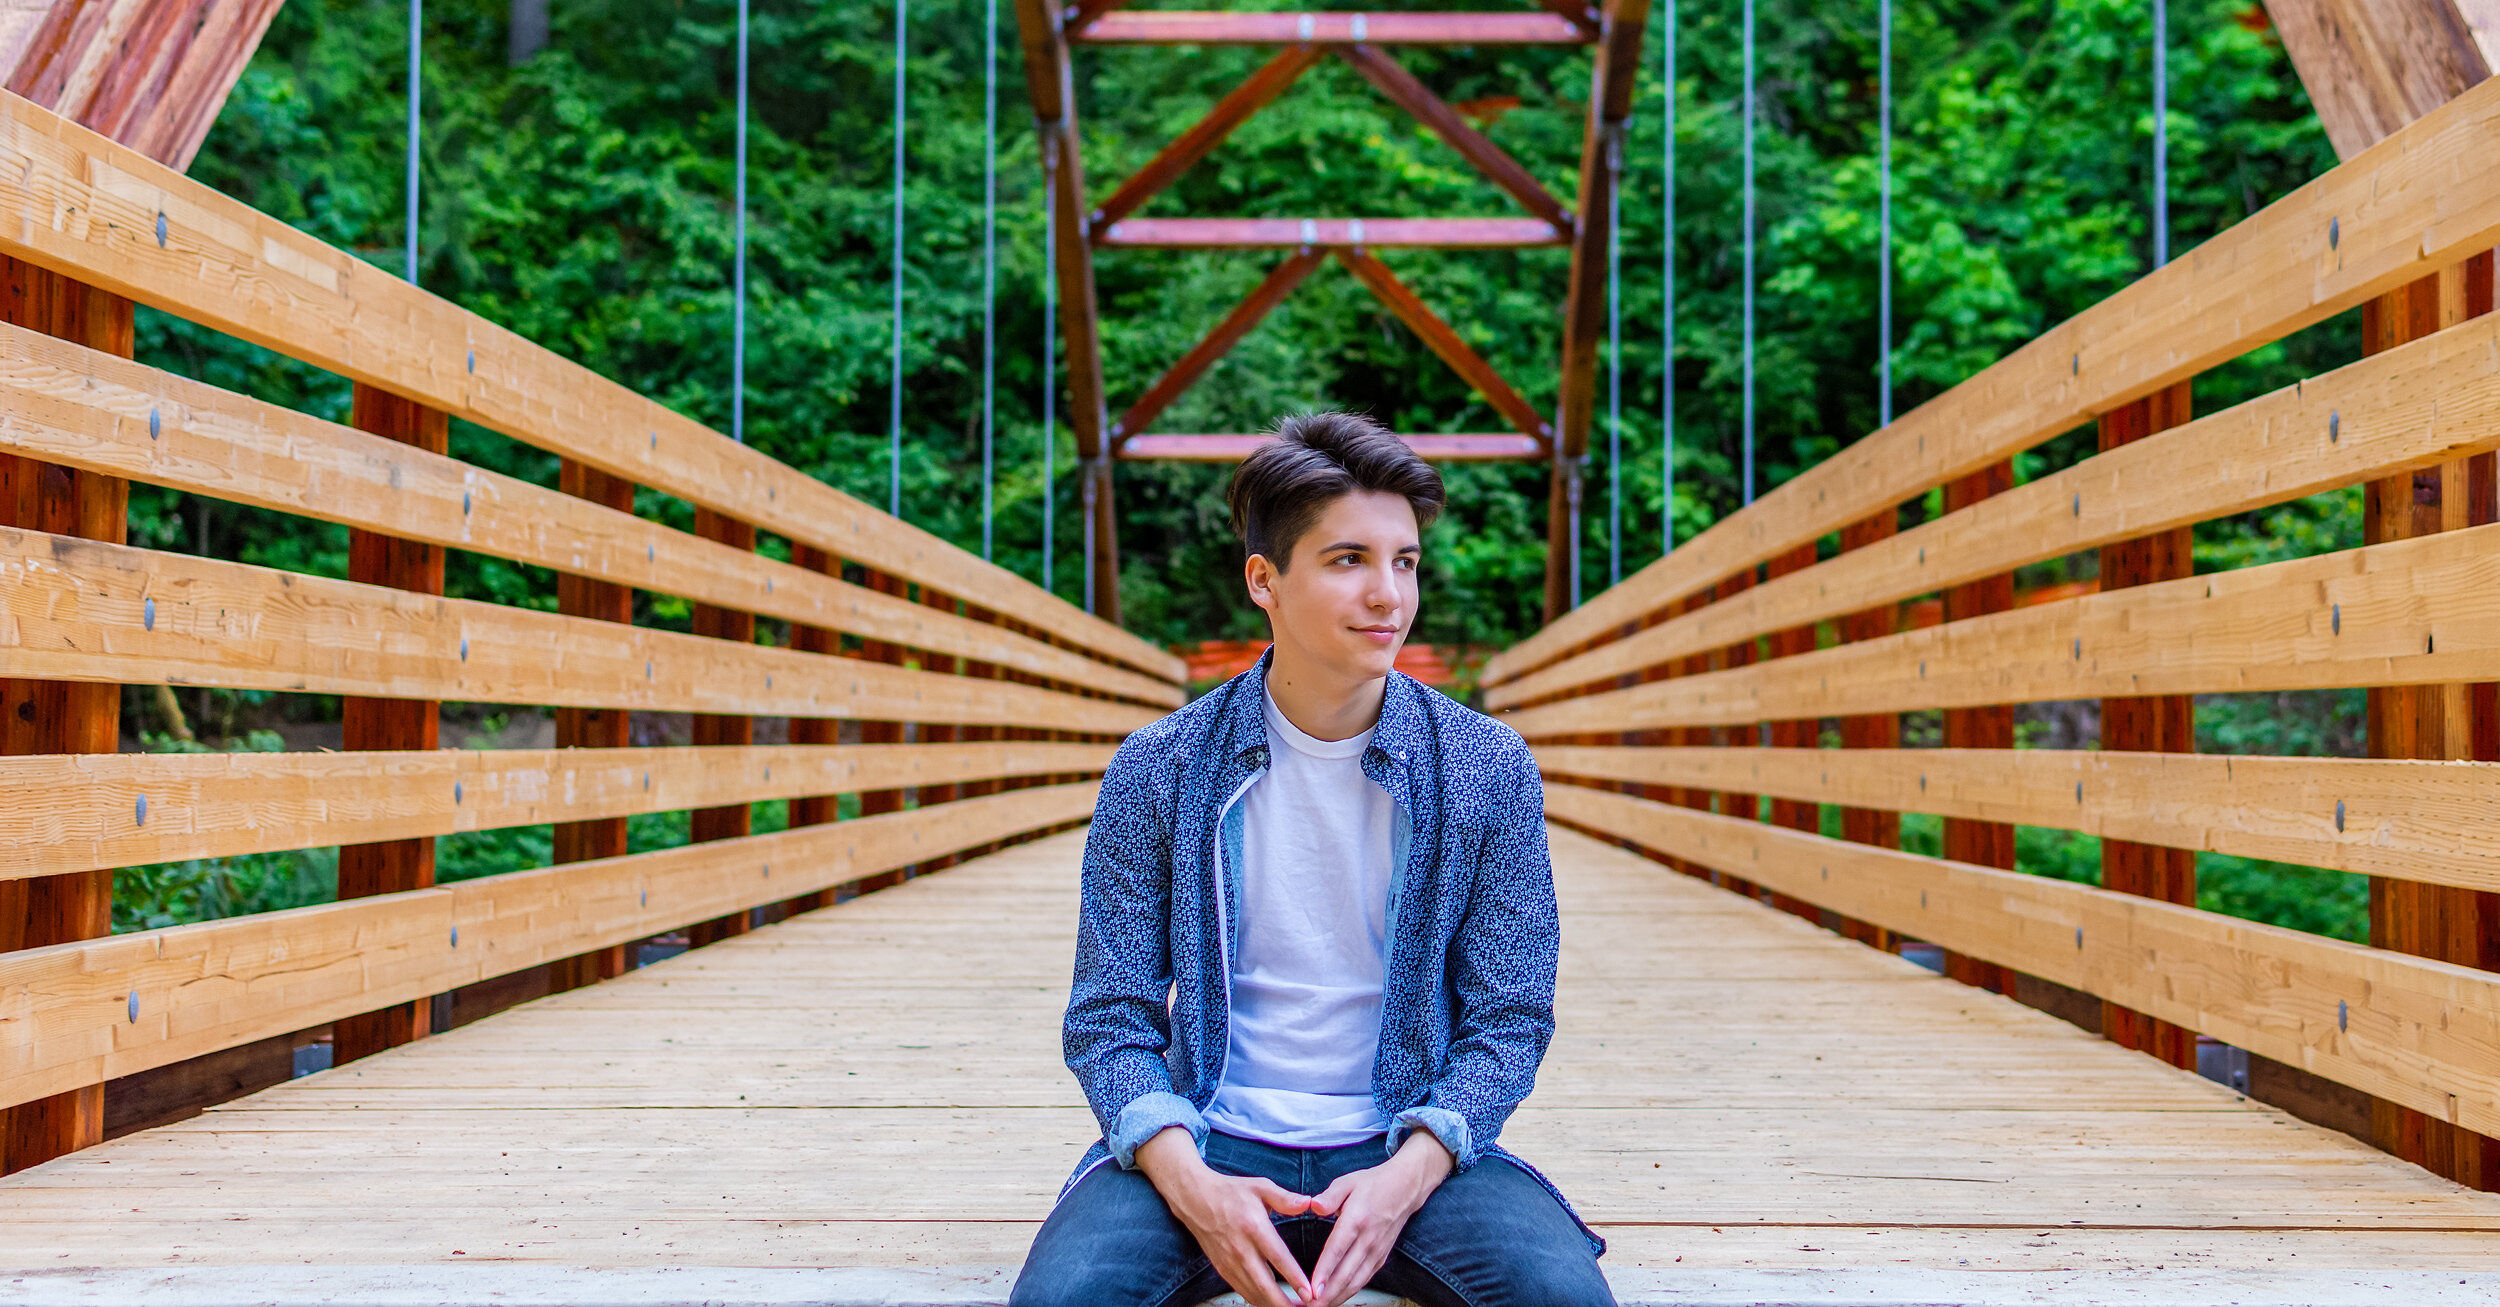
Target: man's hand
1371,1207
1229,1215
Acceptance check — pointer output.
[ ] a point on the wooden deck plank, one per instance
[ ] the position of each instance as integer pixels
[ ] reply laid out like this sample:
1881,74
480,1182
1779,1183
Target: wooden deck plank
878,1084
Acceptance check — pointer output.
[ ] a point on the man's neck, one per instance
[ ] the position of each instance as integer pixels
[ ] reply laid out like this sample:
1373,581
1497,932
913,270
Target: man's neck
1319,703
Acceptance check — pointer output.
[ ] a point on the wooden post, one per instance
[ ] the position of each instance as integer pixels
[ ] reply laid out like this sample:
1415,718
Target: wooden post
592,728
1985,843
1795,814
931,733
736,820
390,866
1873,731
985,671
1691,737
872,802
59,716
815,809
1744,807
2157,723
2431,721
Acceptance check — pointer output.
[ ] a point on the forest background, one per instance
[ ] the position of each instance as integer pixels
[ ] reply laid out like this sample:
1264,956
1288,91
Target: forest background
580,194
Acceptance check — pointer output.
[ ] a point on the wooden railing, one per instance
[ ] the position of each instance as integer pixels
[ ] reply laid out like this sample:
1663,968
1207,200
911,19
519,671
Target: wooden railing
1785,615
1018,697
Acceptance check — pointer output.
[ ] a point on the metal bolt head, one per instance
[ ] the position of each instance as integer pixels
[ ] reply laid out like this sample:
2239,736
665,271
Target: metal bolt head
161,231
141,810
2343,1015
2334,232
2335,618
133,1007
147,613
2334,426
2339,816
156,424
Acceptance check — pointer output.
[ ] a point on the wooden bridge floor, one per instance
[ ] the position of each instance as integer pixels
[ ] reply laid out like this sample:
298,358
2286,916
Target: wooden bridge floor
1748,1108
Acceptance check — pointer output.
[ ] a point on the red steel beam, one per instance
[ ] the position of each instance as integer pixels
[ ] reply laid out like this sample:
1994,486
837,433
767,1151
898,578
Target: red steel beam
1611,87
1176,27
1317,233
1579,13
1203,136
1236,324
1052,84
1077,17
1383,71
1445,342
1232,449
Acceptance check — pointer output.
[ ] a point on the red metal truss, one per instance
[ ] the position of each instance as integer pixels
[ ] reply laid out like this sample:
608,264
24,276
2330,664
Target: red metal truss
1207,133
1174,27
1217,344
1584,312
1233,449
1294,233
1446,343
1053,86
1390,77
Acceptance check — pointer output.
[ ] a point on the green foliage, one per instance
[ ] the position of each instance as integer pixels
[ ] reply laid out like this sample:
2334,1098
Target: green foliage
583,201
203,889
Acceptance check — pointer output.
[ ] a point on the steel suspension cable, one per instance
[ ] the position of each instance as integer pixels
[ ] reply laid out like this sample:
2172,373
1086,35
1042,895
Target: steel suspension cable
989,277
1614,356
2161,133
1050,345
416,88
1666,268
738,264
894,386
1749,250
1883,214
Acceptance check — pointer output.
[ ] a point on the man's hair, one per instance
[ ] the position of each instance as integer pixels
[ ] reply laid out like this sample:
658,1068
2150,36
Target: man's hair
1280,490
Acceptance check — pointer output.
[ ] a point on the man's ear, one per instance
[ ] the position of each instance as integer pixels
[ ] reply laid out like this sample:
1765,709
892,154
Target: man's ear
1258,576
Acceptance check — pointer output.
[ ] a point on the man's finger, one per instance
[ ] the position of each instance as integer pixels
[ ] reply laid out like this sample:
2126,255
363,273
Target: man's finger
1279,1199
1328,1275
1331,1200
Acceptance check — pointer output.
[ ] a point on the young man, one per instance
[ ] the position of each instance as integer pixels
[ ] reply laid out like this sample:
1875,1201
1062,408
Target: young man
1315,958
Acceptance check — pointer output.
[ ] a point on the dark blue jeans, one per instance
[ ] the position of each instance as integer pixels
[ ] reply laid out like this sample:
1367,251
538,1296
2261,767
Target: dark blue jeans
1488,1237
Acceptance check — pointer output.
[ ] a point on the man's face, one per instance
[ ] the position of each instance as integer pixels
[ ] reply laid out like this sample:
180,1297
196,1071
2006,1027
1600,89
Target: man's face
1348,600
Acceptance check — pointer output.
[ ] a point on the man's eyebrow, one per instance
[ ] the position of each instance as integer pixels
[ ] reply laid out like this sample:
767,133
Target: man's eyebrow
1359,546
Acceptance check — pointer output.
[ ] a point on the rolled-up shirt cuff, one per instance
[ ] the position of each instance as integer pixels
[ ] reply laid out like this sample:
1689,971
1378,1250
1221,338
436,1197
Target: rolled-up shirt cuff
1442,1124
1148,1116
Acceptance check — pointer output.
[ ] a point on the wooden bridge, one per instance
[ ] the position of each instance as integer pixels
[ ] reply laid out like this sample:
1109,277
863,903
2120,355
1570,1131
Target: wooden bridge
1793,1066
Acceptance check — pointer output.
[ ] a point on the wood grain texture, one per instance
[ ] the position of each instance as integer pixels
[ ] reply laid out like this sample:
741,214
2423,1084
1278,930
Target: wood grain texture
196,989
2371,66
2418,201
85,408
2408,612
2427,403
82,205
2417,821
77,610
880,1084
2418,1032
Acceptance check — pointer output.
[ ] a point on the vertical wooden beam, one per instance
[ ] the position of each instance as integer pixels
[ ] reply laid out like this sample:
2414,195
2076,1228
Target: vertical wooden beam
1874,731
730,821
872,802
2157,723
1744,807
934,733
130,91
1051,80
986,671
815,809
1795,814
2430,721
2372,66
390,866
1611,87
1986,843
592,728
59,716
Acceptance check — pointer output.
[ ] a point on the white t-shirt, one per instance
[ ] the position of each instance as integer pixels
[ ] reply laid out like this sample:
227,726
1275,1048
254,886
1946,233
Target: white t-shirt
1314,919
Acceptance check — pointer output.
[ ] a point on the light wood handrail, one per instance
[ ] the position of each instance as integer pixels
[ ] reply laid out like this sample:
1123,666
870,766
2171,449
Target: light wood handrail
78,812
77,203
96,1009
81,610
2420,200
